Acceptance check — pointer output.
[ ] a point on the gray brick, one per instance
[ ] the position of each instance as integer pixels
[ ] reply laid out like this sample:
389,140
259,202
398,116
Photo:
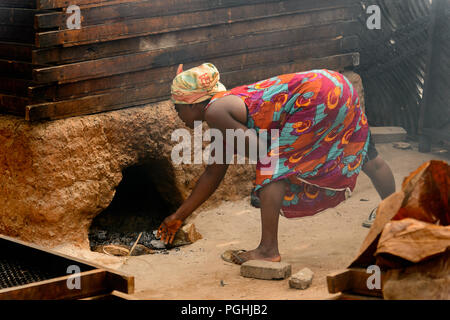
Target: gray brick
388,134
265,270
302,279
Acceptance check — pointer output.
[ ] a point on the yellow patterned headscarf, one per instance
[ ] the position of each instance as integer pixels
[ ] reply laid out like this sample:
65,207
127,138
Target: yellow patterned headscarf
196,85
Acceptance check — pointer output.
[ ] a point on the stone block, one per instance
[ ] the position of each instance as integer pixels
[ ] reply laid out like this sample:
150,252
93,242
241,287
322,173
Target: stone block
265,270
388,134
302,279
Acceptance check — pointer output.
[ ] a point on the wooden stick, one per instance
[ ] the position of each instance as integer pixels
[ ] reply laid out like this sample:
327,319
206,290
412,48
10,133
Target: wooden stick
134,245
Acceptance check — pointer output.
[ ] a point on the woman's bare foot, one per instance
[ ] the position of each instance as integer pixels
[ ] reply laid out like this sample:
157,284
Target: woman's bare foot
256,254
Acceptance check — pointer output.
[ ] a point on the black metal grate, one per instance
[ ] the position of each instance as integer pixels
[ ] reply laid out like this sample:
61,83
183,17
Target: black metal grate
21,265
17,272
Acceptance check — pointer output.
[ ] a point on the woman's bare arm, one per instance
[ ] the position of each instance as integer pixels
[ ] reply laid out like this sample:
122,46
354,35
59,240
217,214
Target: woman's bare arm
204,188
221,116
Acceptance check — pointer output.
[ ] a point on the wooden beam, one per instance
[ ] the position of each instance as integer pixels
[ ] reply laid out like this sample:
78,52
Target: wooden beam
64,55
99,14
305,50
27,248
17,16
55,4
18,87
15,51
122,295
155,25
350,296
18,69
127,97
20,34
30,4
92,282
339,281
96,103
122,280
113,295
11,104
353,281
157,58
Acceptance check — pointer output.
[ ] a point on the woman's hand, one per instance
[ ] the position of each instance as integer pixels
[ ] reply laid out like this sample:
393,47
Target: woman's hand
168,229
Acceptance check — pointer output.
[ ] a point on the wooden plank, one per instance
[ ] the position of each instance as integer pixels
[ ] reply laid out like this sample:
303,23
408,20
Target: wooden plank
113,295
351,296
137,9
18,87
19,34
120,282
17,69
104,296
155,8
122,295
72,90
30,4
353,280
151,59
155,25
63,55
91,283
17,16
304,50
127,97
16,51
55,4
13,104
28,248
96,103
339,281
169,4
359,283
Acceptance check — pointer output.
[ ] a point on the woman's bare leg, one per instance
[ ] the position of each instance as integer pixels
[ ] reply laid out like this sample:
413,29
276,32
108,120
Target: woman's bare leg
381,176
383,180
271,197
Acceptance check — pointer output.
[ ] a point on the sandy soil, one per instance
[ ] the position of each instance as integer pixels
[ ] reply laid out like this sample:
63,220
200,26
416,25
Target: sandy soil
324,243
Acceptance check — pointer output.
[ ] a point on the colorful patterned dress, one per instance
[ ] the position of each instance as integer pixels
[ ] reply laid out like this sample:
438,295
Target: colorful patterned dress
323,137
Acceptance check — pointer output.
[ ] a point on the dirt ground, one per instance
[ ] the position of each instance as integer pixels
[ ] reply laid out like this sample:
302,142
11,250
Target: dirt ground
325,243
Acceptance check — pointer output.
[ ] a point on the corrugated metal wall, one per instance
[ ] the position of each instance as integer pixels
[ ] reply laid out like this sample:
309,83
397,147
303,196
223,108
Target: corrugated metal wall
393,61
434,123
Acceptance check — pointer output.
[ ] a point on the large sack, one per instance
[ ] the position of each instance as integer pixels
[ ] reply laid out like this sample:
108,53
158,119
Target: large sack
411,240
428,280
425,197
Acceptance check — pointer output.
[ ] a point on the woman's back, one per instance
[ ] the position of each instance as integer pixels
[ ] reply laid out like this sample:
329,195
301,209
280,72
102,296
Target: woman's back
323,135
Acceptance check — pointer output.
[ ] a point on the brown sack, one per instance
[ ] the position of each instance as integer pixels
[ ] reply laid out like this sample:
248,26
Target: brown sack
428,280
386,211
427,193
425,196
413,240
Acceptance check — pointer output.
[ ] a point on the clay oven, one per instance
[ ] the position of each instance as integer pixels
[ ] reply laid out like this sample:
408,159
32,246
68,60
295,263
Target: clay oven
56,177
